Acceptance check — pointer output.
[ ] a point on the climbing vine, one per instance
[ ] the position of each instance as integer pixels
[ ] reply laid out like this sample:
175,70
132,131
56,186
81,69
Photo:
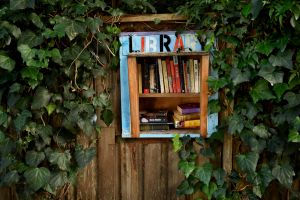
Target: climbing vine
255,50
51,53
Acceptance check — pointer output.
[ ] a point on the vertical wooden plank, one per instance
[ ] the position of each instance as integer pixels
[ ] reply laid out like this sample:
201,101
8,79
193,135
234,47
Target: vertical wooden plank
87,177
134,96
5,194
155,172
204,95
106,164
174,175
131,171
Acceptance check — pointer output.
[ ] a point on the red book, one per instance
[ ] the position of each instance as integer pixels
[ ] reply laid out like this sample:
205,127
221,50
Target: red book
173,76
169,74
177,76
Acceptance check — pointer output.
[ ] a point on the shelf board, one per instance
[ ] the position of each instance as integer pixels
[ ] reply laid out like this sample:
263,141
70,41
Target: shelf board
164,54
173,131
170,95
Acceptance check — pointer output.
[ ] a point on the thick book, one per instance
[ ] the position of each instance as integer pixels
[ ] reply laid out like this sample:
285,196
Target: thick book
140,78
161,78
153,119
194,123
177,75
165,75
192,80
151,127
181,117
169,74
196,76
188,108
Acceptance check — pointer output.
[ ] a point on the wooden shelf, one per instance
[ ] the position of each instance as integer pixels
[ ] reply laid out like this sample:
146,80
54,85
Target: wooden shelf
172,131
170,95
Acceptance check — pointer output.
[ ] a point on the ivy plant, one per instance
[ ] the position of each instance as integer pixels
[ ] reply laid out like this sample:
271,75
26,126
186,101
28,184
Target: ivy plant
255,50
51,52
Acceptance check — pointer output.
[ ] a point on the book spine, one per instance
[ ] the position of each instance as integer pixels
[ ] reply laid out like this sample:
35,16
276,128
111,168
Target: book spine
191,123
140,78
157,83
192,80
196,76
161,79
186,79
187,116
177,76
152,78
199,75
169,75
181,76
150,127
146,79
165,75
174,86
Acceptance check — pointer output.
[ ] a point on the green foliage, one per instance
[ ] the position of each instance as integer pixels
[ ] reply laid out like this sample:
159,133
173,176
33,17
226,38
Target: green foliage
258,67
49,59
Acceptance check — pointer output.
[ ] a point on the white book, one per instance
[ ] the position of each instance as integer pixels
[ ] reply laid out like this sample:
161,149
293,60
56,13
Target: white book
196,76
165,75
161,79
152,79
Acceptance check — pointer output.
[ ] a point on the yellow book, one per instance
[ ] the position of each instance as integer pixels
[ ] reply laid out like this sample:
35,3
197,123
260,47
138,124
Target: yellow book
181,117
194,123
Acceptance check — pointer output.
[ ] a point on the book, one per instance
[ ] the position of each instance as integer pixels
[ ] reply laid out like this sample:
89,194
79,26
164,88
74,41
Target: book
194,123
140,78
181,76
192,80
153,119
165,75
146,78
177,76
169,74
188,108
173,76
196,76
181,117
185,74
150,127
158,113
157,83
161,79
199,72
152,78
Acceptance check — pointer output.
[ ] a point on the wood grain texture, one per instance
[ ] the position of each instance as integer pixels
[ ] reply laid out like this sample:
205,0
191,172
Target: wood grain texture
204,95
134,96
106,164
131,171
155,172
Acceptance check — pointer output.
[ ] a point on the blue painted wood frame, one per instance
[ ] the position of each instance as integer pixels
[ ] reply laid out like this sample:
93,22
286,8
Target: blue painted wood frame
190,42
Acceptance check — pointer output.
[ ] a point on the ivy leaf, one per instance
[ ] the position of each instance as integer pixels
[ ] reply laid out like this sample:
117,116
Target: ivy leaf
177,144
21,119
209,189
3,117
214,106
267,72
41,98
37,177
84,156
280,88
50,108
34,158
30,38
57,180
186,167
265,47
284,174
246,10
7,63
9,178
184,188
292,98
18,4
257,6
276,145
61,159
238,76
293,136
219,175
204,172
107,116
235,124
265,175
215,83
261,131
261,91
282,59
101,101
247,162
26,52
36,20
94,23
74,28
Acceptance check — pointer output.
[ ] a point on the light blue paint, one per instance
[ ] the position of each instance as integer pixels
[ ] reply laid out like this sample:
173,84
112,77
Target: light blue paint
188,37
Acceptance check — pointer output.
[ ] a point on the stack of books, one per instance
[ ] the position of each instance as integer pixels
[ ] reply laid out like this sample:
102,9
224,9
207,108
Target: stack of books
169,75
154,120
187,116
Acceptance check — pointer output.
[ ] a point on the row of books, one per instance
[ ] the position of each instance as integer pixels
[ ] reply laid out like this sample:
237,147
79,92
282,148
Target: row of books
169,75
185,116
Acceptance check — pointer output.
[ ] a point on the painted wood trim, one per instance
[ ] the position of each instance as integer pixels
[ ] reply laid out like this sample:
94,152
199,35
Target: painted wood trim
134,96
164,54
204,95
144,18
